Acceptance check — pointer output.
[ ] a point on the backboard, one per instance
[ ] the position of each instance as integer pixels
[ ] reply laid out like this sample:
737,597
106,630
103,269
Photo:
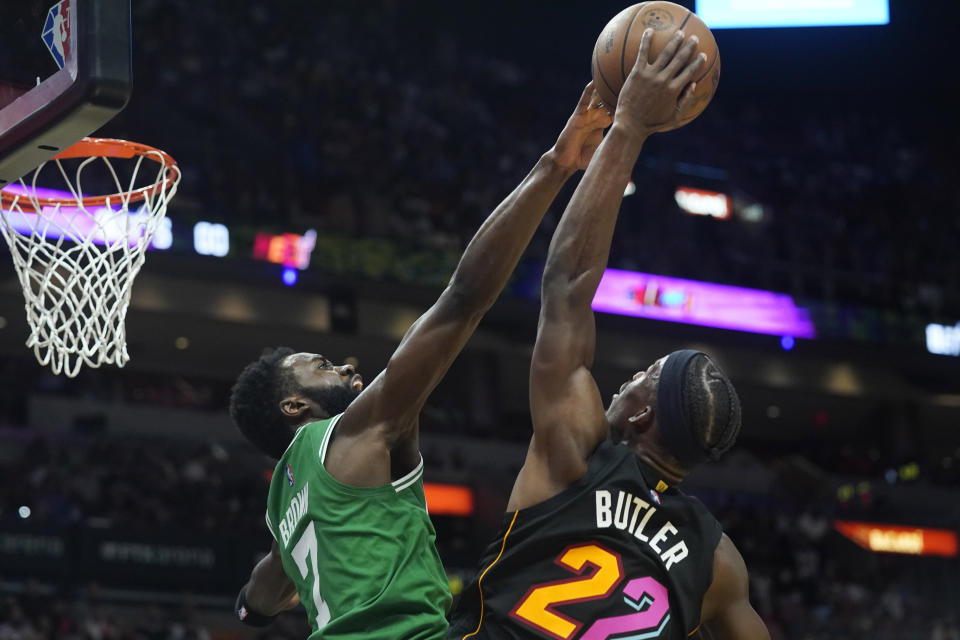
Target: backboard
65,71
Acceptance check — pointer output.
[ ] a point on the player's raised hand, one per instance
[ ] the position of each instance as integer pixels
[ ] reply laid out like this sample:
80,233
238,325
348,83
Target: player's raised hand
583,132
656,92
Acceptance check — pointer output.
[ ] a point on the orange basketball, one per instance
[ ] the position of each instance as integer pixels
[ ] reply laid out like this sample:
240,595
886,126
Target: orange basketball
616,51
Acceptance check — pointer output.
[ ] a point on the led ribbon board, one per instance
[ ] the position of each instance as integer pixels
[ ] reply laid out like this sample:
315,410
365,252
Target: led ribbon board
631,293
448,499
888,538
71,224
750,14
289,249
943,340
700,202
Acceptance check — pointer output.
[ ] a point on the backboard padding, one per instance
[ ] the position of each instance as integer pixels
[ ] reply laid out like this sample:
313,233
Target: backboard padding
92,87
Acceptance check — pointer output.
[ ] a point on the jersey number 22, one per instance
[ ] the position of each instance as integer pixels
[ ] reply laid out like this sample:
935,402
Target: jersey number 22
645,595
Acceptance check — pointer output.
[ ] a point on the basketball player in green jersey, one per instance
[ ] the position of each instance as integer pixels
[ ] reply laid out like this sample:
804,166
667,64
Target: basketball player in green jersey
597,542
352,539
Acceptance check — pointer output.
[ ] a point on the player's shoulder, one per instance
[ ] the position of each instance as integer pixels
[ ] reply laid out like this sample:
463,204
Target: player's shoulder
695,505
302,455
298,465
728,557
690,513
607,454
609,462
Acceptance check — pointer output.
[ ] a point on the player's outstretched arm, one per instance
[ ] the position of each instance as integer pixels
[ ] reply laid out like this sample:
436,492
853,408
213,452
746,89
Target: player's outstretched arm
268,593
565,403
727,613
392,402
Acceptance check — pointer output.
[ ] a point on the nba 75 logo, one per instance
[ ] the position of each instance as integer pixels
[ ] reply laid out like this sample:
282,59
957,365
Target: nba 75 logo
56,32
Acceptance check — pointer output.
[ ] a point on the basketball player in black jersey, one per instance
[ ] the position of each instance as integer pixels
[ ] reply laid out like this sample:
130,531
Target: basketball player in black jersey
598,543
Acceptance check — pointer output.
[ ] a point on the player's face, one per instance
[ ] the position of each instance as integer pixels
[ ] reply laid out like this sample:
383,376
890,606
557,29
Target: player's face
638,391
313,371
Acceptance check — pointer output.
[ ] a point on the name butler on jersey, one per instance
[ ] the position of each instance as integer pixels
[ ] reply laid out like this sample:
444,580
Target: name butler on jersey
621,519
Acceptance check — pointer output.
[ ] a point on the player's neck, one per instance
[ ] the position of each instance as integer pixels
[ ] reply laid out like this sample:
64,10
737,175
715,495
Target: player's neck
672,473
297,426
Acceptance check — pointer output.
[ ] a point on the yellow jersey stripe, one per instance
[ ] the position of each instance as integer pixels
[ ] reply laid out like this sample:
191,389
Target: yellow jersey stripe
480,579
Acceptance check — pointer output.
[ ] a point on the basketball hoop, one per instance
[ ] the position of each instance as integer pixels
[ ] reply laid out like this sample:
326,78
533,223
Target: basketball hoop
76,255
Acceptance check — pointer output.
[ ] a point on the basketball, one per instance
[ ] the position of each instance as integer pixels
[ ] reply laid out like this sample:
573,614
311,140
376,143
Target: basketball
616,51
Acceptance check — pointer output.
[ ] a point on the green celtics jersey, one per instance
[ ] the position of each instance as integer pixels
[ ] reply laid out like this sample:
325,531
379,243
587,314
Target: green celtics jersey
362,559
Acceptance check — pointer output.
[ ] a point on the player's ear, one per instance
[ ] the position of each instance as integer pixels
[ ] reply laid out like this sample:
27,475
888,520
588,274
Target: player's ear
294,406
642,420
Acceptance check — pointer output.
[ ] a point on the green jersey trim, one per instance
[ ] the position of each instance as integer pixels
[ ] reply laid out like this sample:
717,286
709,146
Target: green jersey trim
326,437
409,479
266,516
296,435
398,485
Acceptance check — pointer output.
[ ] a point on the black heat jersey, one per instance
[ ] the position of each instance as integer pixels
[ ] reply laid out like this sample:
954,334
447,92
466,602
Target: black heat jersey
618,555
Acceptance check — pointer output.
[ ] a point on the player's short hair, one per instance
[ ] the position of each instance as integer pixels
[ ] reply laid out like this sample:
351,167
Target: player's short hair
255,402
713,406
698,408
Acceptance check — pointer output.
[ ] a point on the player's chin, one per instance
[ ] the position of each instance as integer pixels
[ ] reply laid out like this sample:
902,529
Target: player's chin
611,411
352,391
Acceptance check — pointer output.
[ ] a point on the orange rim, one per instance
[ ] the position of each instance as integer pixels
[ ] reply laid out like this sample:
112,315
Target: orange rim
105,148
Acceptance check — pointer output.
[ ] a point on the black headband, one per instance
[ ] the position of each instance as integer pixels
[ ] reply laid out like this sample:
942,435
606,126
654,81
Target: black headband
675,428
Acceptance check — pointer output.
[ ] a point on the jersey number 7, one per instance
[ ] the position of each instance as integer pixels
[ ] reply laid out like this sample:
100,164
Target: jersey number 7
305,548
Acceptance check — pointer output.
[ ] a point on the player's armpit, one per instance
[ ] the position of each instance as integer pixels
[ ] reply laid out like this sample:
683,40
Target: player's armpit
727,613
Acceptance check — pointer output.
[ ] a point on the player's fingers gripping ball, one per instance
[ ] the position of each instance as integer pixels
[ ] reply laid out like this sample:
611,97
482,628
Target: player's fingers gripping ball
616,51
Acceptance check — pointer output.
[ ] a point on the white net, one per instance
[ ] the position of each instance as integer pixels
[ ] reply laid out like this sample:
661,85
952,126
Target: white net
77,255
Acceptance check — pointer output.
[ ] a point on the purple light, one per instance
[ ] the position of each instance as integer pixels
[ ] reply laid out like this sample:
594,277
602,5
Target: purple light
787,342
18,189
290,276
102,225
67,223
631,293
